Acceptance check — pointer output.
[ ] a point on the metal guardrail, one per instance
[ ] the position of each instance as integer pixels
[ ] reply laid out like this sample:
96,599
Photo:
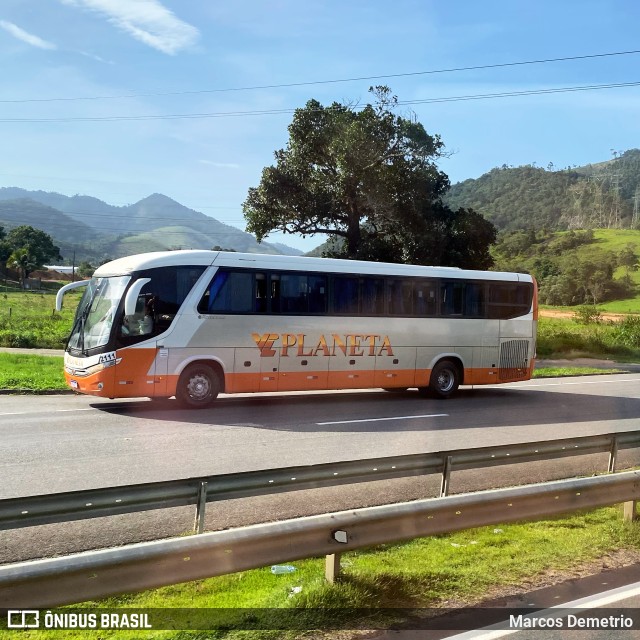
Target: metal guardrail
93,503
97,574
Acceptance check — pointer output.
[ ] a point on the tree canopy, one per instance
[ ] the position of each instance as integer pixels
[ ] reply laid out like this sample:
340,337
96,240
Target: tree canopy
368,178
27,249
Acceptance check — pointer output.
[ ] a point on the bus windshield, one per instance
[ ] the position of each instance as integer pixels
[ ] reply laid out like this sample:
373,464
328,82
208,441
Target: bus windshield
96,313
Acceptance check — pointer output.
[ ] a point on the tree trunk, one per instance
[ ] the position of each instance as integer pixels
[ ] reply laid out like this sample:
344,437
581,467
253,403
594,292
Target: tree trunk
354,236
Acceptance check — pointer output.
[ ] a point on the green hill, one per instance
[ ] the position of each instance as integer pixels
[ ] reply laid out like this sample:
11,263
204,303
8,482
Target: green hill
602,195
577,267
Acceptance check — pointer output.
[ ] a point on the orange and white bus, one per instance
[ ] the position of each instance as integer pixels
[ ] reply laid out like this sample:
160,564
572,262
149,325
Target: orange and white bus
192,324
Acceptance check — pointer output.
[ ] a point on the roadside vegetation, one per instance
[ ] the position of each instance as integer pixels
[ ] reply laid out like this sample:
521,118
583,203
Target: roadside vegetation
589,267
29,319
460,569
573,338
26,372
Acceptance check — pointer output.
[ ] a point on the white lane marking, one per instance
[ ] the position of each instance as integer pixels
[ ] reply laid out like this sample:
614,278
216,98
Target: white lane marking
24,413
430,415
589,602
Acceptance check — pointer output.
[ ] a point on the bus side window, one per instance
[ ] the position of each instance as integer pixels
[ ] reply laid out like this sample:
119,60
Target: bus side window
317,294
509,300
228,292
451,298
293,293
425,300
261,293
400,296
474,300
372,297
345,295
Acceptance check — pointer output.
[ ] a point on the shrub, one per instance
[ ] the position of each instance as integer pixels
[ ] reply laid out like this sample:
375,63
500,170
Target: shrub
587,314
627,332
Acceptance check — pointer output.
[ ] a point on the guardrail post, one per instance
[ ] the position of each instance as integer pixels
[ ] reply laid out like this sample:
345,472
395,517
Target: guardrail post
613,455
332,567
630,514
198,525
446,476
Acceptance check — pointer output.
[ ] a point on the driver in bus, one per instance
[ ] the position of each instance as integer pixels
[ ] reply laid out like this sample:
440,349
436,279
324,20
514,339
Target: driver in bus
141,322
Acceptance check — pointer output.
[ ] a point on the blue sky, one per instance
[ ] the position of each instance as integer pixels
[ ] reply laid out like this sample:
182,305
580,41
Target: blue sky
71,59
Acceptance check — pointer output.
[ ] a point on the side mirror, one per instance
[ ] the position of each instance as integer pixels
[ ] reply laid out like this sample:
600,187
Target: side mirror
68,287
131,298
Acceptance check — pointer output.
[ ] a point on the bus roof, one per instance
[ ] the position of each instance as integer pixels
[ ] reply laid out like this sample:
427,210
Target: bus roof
143,261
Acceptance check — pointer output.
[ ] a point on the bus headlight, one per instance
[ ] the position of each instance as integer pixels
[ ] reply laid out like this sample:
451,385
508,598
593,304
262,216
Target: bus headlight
88,371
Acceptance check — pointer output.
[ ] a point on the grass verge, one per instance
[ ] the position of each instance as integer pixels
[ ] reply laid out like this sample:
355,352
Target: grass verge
32,372
442,571
29,319
560,372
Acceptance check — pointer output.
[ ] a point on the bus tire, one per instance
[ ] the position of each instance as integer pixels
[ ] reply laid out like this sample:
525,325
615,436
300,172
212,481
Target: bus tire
198,386
445,379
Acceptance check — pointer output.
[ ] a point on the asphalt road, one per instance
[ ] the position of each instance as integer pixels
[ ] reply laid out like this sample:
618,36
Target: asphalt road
50,444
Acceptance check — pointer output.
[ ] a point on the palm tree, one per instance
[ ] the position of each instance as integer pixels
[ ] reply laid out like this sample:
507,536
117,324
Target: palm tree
23,262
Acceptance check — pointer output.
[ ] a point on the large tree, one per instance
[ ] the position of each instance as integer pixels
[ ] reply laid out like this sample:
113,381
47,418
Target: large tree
369,179
30,249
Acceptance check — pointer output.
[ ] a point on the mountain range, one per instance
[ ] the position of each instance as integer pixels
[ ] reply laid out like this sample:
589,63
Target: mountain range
95,231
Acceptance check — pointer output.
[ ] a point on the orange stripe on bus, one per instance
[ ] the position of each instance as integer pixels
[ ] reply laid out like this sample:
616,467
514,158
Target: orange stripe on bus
139,361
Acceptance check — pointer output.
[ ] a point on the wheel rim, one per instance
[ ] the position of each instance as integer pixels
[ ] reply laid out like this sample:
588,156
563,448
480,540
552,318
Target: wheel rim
199,387
445,380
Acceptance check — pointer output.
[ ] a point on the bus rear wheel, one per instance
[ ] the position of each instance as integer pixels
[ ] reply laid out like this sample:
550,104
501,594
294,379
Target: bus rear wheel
198,386
445,379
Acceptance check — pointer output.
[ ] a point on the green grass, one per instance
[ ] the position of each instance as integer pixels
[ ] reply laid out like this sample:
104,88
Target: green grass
560,372
560,338
29,319
26,371
427,572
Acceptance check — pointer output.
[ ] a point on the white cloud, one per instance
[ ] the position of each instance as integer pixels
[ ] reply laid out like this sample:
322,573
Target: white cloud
94,57
23,35
146,20
221,165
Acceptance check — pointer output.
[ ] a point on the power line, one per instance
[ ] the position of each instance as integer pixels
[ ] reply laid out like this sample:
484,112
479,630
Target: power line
226,114
141,221
330,81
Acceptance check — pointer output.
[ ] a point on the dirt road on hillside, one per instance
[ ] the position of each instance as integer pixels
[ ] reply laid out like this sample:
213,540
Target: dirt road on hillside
556,313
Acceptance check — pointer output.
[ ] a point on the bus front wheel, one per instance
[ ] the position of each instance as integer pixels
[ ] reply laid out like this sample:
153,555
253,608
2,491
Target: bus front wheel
445,379
198,386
